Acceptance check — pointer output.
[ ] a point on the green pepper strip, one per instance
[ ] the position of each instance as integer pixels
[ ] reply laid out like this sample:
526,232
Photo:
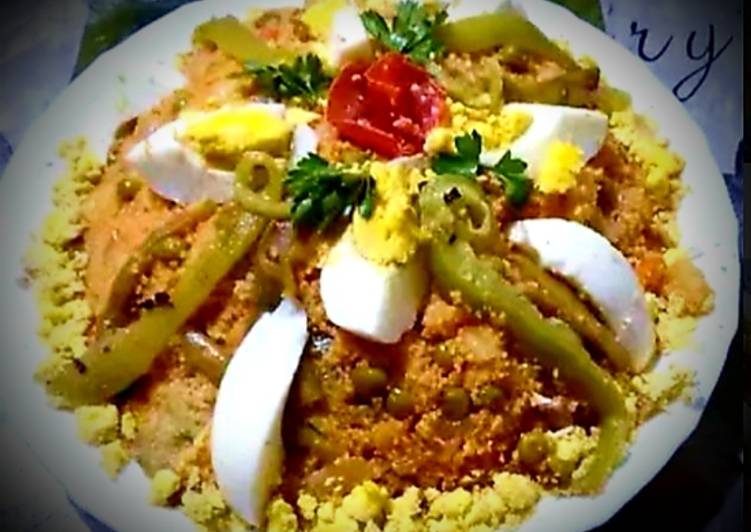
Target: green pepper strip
548,292
506,28
457,268
462,212
266,202
126,280
238,41
120,356
575,88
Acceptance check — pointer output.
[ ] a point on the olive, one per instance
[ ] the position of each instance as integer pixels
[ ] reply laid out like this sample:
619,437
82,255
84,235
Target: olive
127,188
369,382
455,403
443,356
490,397
170,248
533,447
400,403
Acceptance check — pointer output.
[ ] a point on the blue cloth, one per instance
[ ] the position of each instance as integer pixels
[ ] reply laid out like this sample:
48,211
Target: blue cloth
696,48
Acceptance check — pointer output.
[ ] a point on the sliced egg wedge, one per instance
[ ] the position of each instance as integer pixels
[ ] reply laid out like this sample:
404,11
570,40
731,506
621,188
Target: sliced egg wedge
176,168
337,23
304,142
374,301
583,128
246,444
588,260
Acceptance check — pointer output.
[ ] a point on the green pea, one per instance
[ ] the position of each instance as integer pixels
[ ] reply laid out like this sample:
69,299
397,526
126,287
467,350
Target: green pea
170,248
443,355
491,397
533,447
127,188
455,403
400,403
369,382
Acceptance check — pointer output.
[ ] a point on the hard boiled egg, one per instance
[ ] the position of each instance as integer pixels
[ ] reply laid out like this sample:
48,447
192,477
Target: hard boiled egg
304,142
375,301
246,443
177,160
591,263
338,24
176,171
558,135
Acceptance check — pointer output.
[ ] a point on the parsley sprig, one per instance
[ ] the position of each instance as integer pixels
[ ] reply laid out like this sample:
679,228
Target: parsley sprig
412,31
511,173
304,77
322,192
466,162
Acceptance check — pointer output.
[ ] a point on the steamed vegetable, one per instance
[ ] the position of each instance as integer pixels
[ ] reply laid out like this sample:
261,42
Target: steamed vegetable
259,184
502,28
552,294
114,313
457,267
574,88
238,41
463,209
120,356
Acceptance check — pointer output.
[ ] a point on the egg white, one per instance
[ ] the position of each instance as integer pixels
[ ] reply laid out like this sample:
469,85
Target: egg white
590,262
177,172
584,128
246,443
374,301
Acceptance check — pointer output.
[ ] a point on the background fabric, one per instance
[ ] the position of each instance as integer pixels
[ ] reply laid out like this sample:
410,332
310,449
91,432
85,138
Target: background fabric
694,46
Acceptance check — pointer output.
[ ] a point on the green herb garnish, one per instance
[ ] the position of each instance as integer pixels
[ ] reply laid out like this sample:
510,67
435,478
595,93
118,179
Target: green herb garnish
511,173
305,77
412,31
322,192
466,162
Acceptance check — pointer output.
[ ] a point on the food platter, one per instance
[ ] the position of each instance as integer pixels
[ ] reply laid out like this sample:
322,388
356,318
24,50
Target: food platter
132,77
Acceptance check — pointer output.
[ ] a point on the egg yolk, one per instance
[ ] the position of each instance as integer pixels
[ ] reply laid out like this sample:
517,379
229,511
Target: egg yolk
391,235
497,129
228,133
559,169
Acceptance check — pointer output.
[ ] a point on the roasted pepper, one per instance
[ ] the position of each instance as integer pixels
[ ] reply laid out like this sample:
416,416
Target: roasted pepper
505,28
238,41
120,356
551,294
457,268
124,284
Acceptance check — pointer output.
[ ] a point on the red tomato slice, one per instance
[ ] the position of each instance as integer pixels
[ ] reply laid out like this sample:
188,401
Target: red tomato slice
387,107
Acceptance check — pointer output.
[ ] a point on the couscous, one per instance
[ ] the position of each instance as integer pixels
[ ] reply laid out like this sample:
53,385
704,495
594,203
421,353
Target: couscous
376,266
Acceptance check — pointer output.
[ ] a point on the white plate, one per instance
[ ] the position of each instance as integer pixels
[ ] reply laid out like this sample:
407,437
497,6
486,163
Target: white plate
141,69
